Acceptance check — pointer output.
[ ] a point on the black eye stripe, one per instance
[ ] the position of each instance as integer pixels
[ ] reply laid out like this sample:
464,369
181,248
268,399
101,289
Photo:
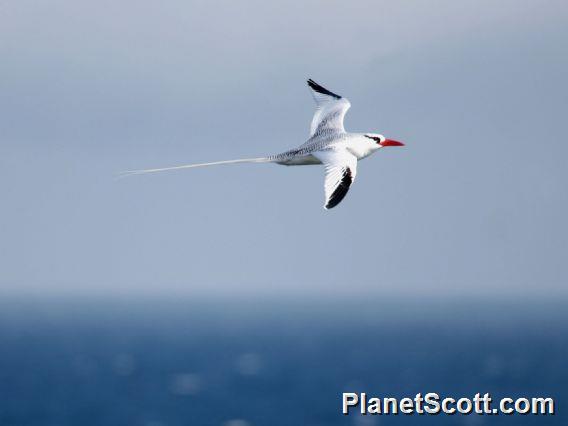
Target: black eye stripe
375,138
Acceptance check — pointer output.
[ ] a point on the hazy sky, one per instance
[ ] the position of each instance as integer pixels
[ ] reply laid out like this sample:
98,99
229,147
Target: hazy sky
475,204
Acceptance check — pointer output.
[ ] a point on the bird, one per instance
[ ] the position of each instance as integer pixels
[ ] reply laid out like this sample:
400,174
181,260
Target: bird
329,144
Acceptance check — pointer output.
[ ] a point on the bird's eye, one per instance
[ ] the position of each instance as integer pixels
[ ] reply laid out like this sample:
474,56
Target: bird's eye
375,138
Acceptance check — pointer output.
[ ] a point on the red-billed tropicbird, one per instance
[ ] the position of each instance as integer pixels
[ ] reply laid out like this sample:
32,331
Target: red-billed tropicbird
329,144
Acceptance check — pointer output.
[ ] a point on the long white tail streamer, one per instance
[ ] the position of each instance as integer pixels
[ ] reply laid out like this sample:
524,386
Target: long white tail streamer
193,166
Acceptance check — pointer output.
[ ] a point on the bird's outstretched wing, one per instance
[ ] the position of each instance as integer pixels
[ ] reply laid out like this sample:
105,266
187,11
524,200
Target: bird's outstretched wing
330,110
340,171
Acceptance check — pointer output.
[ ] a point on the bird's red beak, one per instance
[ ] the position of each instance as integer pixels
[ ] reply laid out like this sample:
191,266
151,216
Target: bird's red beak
390,142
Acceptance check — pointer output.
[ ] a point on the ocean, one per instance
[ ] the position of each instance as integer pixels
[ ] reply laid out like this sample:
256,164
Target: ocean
74,361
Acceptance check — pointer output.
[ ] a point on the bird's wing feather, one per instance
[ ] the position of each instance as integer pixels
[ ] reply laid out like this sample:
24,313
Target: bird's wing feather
340,171
330,109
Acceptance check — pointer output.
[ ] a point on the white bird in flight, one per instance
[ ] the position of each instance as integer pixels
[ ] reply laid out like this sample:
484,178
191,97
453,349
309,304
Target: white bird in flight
329,144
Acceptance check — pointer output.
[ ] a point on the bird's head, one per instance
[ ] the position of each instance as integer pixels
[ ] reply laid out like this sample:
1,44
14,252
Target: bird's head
381,141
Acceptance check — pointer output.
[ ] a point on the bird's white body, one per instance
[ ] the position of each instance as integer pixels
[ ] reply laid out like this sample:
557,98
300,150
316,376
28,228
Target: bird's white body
329,144
355,143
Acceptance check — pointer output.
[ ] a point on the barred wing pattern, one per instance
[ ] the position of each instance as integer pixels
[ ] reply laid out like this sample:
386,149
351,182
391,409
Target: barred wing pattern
340,171
330,110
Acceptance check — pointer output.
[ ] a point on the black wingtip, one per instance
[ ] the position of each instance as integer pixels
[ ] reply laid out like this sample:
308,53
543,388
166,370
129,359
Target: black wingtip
320,89
341,190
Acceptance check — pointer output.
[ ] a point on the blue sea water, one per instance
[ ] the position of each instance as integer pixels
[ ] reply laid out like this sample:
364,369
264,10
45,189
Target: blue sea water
251,363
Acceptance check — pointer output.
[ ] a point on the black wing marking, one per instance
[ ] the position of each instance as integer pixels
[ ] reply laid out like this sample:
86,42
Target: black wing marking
341,190
321,89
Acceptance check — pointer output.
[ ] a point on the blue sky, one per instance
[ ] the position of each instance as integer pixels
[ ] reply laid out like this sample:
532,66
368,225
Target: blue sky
474,205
